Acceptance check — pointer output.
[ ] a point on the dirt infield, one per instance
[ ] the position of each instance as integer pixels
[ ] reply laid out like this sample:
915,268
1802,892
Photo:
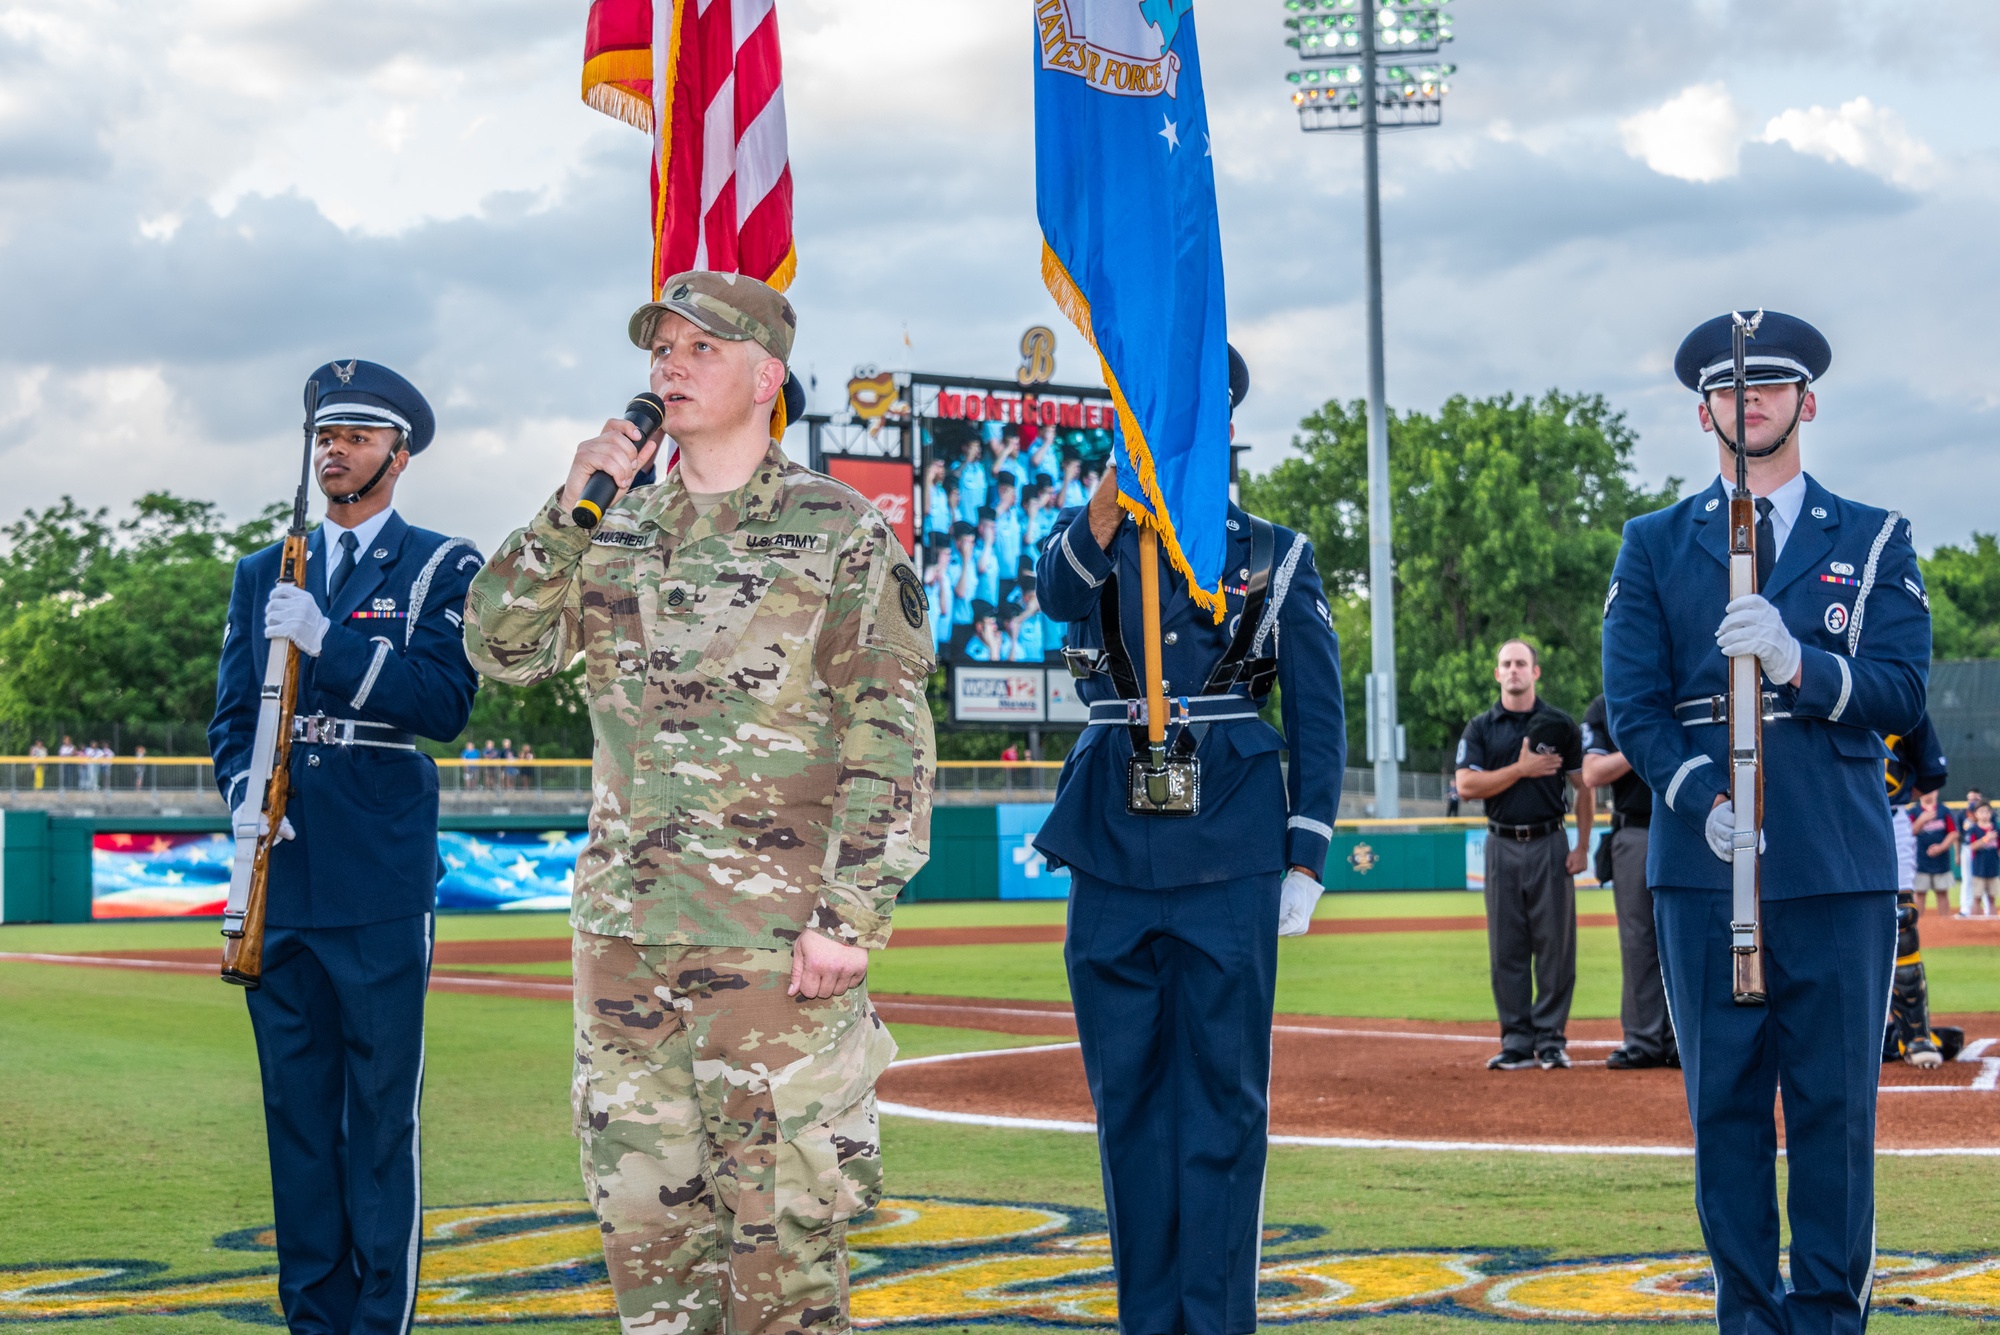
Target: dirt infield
1354,1080
1376,1080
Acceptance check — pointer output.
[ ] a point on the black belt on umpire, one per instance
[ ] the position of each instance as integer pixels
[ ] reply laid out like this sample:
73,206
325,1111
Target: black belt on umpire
319,730
1522,834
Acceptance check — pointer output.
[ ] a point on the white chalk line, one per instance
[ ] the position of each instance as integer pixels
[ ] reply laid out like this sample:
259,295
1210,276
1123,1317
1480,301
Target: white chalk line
1314,1030
1369,1143
974,1056
184,966
113,962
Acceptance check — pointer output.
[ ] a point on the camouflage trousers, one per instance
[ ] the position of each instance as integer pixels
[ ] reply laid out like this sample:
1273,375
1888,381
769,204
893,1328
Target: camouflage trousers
729,1132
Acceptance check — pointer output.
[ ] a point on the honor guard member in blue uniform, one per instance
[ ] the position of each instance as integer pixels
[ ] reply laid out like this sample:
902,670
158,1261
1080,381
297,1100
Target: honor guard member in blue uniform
1842,630
339,1017
1173,919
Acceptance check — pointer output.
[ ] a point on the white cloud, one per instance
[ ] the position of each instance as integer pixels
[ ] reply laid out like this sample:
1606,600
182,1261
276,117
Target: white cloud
1695,135
1860,134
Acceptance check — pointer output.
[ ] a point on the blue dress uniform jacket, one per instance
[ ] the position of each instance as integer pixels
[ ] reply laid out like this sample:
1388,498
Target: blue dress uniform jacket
1847,585
366,816
1238,831
339,1018
1172,938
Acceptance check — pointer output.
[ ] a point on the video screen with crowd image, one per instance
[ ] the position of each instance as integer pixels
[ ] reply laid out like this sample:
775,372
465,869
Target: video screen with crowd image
990,493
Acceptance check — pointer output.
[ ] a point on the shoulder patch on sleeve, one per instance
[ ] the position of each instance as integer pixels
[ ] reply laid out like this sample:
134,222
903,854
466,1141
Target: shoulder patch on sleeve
899,613
1610,597
1917,592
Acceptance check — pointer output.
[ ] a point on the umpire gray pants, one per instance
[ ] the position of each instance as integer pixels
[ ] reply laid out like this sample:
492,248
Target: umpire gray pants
1531,939
1642,1009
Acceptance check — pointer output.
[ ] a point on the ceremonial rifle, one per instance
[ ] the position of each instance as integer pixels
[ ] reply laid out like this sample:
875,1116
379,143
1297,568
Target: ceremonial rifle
1746,717
270,778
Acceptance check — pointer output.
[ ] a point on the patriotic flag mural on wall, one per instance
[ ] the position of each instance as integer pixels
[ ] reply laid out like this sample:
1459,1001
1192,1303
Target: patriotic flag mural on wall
704,78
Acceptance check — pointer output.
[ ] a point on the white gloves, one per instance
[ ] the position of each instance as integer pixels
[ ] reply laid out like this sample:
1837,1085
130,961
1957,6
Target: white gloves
1721,829
243,814
1296,901
1752,626
291,614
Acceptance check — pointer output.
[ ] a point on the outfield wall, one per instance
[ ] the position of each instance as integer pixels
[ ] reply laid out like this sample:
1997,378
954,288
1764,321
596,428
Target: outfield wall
58,868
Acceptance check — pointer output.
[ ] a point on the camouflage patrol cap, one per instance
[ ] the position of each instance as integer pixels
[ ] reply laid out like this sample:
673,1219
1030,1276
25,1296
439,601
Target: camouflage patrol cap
727,305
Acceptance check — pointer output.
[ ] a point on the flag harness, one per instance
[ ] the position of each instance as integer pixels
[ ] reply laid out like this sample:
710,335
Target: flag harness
1174,788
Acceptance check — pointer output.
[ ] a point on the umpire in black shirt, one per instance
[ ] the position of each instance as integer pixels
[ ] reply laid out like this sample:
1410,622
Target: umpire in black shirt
1517,756
1642,1007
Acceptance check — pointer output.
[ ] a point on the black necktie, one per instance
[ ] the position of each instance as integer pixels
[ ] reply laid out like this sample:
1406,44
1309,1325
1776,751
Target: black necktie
349,545
1767,543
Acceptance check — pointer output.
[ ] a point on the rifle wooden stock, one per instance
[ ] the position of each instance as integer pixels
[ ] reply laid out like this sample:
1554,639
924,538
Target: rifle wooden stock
243,951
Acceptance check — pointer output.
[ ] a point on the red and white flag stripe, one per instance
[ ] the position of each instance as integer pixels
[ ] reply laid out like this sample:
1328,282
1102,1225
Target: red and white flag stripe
723,180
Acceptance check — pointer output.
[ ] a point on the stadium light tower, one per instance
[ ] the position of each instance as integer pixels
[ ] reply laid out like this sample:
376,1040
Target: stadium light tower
1343,85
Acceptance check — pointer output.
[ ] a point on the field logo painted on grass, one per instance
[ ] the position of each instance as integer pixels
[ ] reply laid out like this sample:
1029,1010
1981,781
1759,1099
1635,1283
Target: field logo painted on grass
922,1262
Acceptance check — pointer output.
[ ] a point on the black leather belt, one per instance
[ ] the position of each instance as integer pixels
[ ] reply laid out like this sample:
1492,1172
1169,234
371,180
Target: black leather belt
1522,834
1715,709
1621,821
319,730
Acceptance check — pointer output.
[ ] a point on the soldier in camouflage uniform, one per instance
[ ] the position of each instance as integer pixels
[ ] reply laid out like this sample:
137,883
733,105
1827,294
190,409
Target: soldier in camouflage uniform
756,646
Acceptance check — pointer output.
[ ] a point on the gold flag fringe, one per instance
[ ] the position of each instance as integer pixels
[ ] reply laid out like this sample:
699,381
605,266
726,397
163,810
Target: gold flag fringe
1073,304
603,77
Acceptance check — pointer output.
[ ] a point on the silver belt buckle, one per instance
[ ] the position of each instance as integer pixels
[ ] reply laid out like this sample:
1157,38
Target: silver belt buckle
1135,712
311,729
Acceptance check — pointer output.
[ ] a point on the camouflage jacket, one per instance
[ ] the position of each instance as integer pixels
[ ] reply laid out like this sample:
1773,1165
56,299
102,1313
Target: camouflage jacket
756,683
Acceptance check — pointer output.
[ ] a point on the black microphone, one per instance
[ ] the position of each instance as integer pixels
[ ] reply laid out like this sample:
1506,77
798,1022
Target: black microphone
645,411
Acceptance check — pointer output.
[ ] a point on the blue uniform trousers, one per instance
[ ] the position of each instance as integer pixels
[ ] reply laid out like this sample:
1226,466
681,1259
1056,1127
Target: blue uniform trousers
340,1039
1172,990
1828,964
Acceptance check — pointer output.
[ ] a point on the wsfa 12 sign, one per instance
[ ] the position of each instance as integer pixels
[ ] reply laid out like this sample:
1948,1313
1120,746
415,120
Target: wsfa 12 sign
998,695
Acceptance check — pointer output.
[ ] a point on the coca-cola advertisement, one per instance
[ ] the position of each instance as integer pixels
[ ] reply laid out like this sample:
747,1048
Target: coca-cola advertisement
887,485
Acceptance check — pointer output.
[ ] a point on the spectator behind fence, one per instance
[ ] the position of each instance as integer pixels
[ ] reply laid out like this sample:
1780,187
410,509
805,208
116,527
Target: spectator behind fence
67,751
1983,869
138,768
1937,835
508,775
38,751
489,759
1515,757
1974,799
1642,1006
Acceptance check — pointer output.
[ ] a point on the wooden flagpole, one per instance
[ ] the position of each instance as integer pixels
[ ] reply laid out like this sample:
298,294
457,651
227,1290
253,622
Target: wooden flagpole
1149,588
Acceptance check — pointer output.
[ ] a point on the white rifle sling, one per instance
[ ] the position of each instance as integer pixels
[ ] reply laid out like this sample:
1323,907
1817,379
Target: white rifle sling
257,784
1745,703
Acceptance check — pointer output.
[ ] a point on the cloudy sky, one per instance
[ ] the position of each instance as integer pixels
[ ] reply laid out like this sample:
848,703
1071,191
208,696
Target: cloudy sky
201,200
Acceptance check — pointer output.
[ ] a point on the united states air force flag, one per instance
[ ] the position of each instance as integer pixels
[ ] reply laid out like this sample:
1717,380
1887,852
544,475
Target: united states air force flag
1125,188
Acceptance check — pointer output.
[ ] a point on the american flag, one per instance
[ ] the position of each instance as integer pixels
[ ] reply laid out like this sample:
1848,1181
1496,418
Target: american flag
704,78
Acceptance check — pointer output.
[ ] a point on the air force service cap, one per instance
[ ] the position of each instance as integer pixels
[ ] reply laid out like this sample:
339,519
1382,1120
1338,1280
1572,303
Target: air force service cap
728,305
358,393
1782,348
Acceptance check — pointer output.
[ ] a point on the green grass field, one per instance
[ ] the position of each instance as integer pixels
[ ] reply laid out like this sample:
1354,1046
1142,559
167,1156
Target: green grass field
131,1128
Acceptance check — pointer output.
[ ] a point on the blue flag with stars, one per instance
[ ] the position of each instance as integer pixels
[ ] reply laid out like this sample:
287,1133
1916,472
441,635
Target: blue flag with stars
1132,252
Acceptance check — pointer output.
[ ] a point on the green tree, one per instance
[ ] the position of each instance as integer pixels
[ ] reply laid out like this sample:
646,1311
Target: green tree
1507,516
118,625
1964,585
